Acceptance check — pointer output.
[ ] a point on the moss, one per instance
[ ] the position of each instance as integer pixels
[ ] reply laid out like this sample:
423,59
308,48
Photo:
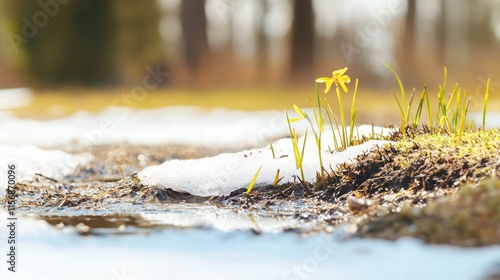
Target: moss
473,145
470,217
420,162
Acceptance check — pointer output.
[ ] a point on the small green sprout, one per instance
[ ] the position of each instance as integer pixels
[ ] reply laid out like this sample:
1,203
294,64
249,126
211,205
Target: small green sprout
299,155
485,104
420,107
252,183
429,107
272,150
277,178
403,108
451,116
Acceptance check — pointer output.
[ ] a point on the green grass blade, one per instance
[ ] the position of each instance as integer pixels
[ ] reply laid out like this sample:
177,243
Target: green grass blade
354,114
485,104
408,108
272,150
302,157
445,77
321,122
441,108
303,147
465,109
453,94
342,119
441,97
401,113
330,120
456,111
318,117
352,126
252,183
429,107
420,107
293,135
277,178
401,88
298,158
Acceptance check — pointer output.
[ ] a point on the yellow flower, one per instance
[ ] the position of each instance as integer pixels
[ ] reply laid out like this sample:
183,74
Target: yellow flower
338,78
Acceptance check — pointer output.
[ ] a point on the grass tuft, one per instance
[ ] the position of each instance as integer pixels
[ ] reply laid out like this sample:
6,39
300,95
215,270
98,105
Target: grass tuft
451,115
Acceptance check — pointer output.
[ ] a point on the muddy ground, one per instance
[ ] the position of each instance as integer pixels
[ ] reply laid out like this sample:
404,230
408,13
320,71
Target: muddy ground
431,190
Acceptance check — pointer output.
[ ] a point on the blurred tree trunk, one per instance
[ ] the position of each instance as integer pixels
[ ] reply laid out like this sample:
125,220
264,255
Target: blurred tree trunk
302,57
139,40
74,47
194,33
480,30
409,40
262,42
88,42
441,33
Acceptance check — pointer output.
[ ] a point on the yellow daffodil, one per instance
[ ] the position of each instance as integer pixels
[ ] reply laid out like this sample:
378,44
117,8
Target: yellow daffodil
338,78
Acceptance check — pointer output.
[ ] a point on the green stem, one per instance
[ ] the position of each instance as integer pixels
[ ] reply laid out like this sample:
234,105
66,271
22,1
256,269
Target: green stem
342,119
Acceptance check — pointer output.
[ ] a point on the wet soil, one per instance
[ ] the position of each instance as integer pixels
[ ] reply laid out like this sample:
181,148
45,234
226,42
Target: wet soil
429,190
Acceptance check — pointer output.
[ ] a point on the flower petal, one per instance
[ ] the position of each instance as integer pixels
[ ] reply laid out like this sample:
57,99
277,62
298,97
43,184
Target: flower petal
299,111
342,71
342,84
328,86
294,120
323,80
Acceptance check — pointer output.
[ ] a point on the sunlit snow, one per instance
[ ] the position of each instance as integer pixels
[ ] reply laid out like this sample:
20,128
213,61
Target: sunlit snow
30,160
217,128
212,254
224,173
15,97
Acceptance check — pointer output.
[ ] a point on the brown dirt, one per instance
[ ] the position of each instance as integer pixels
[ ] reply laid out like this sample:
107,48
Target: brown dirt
388,193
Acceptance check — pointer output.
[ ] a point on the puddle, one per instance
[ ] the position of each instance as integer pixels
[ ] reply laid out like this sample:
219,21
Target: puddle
145,219
127,218
208,253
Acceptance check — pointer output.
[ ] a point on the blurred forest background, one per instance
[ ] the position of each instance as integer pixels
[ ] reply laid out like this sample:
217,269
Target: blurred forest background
245,43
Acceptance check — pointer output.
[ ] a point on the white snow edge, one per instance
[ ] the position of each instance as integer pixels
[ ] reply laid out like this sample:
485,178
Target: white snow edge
15,98
224,173
30,160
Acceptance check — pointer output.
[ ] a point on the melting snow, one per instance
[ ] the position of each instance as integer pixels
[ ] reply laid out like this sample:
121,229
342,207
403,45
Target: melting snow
30,160
211,254
224,173
492,119
15,97
218,128
22,141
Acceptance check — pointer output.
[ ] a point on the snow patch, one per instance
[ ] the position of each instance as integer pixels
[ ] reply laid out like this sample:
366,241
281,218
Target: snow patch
15,97
30,160
224,173
177,125
212,254
492,119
